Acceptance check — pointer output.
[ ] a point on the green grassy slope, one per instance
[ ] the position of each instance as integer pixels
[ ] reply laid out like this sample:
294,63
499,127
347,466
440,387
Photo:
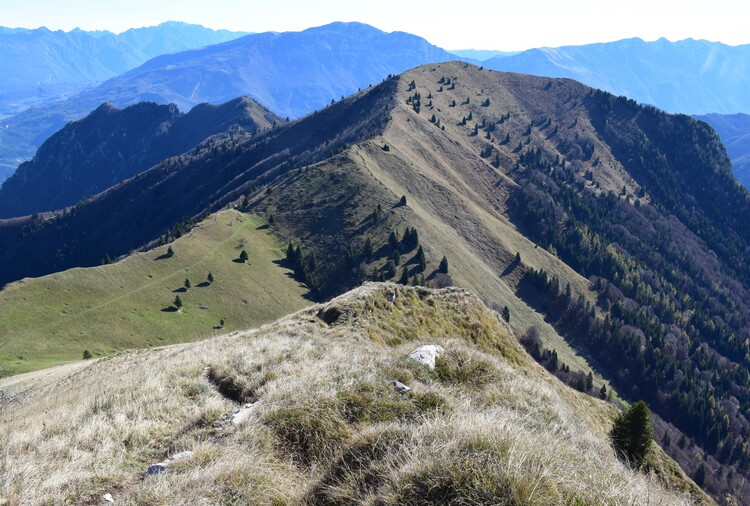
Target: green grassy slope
49,320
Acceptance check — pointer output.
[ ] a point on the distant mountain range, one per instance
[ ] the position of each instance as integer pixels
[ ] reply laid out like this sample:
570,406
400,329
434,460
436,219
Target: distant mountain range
103,54
295,73
43,60
291,73
481,54
110,145
689,76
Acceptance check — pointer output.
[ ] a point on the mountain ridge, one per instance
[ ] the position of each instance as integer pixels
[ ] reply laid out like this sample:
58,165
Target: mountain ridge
110,145
292,73
583,213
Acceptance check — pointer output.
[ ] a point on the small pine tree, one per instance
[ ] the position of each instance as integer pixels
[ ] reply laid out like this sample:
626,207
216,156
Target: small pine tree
367,251
421,260
700,475
443,267
589,382
271,220
221,323
87,355
393,240
517,258
632,434
402,202
404,277
187,284
210,278
106,260
603,392
506,314
396,257
290,254
178,302
244,256
170,252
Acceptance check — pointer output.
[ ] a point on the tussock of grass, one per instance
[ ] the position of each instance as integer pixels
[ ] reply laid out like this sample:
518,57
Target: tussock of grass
312,432
371,403
488,426
459,367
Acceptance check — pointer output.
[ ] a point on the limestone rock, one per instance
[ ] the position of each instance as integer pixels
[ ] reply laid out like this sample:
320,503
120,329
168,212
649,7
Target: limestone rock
427,354
241,414
400,387
163,465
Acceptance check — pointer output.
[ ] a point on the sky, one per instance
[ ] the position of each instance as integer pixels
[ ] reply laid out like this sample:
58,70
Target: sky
456,24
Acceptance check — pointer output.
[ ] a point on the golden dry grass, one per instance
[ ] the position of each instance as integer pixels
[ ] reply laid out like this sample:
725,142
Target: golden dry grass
327,427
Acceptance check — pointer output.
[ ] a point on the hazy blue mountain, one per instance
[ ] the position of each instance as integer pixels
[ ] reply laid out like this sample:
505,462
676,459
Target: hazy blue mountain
689,76
482,54
292,73
734,130
43,59
173,37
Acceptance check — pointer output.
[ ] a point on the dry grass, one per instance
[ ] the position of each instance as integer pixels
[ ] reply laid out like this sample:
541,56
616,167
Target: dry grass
488,426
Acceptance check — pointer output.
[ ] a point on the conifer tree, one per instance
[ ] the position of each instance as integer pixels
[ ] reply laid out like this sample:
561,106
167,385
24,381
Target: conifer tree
443,267
244,256
367,252
178,302
404,277
290,254
170,252
396,257
393,241
187,284
421,260
632,434
506,314
210,278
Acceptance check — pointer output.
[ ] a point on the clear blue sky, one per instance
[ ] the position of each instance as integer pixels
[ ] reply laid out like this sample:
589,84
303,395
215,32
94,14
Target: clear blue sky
455,24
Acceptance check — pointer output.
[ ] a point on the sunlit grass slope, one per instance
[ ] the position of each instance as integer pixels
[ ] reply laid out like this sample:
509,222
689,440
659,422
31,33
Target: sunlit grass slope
128,304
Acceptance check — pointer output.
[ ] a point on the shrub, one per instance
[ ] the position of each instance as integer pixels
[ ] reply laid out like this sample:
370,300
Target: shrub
87,355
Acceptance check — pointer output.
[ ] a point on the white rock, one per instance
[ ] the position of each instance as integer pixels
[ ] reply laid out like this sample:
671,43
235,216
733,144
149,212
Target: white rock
241,414
107,498
400,387
427,354
163,465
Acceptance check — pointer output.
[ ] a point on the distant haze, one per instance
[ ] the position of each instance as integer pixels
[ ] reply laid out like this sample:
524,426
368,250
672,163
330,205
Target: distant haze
480,24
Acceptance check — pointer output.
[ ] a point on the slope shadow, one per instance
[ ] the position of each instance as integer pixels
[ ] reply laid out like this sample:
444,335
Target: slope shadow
554,316
511,267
